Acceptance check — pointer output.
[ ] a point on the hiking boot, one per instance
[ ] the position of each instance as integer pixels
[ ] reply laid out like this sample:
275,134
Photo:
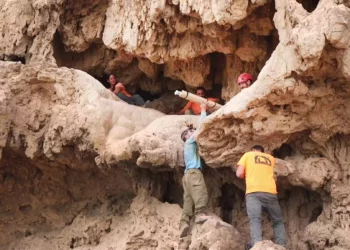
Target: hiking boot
184,231
201,218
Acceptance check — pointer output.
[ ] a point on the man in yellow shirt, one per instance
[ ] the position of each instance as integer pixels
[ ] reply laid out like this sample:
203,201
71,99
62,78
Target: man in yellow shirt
256,168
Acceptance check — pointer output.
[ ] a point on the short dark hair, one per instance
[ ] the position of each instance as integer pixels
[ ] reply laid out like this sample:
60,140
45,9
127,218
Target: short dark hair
258,148
201,88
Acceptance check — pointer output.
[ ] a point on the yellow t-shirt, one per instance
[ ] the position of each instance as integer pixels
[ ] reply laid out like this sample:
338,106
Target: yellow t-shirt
258,169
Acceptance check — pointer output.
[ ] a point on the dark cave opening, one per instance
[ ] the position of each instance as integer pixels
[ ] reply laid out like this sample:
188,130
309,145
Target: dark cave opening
309,5
215,77
232,198
173,193
14,58
283,151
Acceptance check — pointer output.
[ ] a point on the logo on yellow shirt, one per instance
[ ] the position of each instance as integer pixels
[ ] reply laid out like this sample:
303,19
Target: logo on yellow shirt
260,159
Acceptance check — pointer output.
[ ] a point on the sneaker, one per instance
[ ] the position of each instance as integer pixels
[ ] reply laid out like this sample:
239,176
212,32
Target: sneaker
184,231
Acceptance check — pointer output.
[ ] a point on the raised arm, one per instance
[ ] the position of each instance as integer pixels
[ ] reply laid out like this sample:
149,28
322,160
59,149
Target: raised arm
203,114
201,119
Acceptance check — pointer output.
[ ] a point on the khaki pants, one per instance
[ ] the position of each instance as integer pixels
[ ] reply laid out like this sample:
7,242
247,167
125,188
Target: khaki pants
195,193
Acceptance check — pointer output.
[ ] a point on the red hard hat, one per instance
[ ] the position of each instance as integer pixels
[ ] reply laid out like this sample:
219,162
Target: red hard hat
244,77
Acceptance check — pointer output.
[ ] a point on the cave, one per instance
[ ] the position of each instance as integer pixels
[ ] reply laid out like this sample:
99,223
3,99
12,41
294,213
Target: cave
158,81
284,151
309,5
231,199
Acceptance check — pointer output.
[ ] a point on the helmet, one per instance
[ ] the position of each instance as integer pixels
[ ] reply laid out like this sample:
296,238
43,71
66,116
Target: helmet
244,77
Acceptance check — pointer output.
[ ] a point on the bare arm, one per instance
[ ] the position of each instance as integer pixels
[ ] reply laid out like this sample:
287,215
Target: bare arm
117,89
240,173
201,118
203,114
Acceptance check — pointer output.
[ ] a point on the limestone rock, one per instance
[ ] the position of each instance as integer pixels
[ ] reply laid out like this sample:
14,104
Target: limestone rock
251,49
30,36
292,92
95,60
153,87
16,42
144,28
122,60
151,147
192,72
82,23
65,105
168,103
267,245
150,69
215,234
140,226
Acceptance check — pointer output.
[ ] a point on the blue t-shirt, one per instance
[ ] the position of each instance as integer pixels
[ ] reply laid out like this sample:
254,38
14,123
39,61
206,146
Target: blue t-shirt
191,155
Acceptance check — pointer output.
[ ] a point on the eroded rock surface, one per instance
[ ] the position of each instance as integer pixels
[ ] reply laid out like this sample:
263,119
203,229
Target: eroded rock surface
267,245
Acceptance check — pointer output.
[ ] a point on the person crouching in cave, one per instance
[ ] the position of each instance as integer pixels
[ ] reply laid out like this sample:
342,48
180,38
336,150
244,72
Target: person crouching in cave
193,108
244,80
256,167
120,91
195,190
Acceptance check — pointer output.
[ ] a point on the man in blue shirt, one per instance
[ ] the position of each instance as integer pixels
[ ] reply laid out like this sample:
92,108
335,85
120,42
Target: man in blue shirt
195,190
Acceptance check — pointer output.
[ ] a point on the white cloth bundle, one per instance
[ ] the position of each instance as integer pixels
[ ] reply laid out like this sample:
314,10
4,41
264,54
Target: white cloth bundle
195,98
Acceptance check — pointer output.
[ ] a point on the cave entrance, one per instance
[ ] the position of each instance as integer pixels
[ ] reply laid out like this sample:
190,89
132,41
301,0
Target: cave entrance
173,191
252,45
215,77
232,198
309,5
283,151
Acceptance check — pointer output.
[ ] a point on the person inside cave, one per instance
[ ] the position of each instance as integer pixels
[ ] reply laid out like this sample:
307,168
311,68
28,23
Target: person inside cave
193,108
244,80
120,91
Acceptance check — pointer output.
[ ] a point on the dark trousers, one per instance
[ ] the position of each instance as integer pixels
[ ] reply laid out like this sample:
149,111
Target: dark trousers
255,203
134,100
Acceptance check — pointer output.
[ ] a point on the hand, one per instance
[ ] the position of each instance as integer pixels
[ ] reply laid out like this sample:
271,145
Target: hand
204,105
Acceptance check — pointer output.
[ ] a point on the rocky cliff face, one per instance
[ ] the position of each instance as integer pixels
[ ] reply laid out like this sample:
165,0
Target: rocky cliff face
82,169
